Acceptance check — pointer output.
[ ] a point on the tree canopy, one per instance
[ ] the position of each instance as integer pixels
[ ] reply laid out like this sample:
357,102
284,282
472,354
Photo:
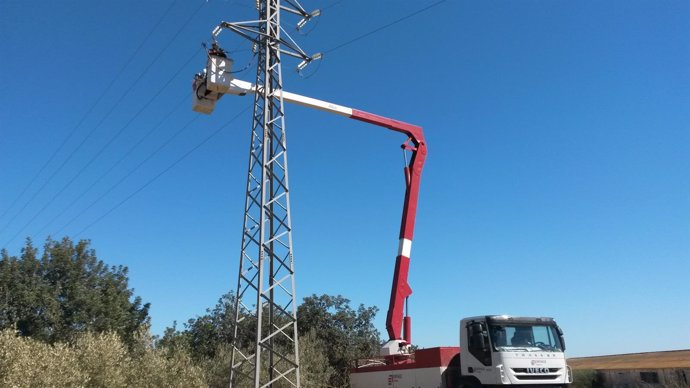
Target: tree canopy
344,333
65,292
67,295
331,335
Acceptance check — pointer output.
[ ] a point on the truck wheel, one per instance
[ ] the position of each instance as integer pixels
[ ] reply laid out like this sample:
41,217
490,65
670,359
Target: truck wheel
469,383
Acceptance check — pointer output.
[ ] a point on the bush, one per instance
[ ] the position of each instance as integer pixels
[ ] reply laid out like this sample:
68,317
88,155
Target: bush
93,360
103,360
584,378
331,334
28,363
315,372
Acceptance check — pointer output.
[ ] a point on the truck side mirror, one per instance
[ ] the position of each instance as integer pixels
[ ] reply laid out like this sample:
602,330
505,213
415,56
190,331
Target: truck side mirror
560,336
480,340
483,343
476,328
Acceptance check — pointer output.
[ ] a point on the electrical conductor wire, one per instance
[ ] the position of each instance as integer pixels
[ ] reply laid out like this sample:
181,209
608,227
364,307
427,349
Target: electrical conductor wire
104,147
417,12
83,118
62,165
180,159
132,171
122,158
93,130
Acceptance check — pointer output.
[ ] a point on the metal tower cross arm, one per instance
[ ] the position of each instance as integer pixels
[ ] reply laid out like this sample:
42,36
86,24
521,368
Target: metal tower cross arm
417,146
265,349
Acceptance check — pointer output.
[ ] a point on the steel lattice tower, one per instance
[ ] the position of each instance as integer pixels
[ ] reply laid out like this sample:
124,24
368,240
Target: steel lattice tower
265,347
264,343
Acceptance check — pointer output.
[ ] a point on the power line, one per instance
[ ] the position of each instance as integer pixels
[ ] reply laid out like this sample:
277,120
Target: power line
132,171
122,97
180,159
122,158
331,5
384,26
104,147
83,118
126,93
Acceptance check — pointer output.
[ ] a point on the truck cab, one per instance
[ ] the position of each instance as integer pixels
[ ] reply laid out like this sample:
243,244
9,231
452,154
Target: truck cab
502,350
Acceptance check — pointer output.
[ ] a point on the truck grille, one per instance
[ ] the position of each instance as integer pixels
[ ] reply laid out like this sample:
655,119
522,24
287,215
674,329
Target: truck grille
537,377
536,373
527,370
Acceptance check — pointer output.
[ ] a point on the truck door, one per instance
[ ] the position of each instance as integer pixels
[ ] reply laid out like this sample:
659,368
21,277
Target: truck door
478,342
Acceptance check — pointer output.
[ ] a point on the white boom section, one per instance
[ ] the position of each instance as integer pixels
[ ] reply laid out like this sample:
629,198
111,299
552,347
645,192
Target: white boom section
240,88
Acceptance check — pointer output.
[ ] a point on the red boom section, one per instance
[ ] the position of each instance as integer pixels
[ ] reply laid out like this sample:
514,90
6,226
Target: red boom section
400,288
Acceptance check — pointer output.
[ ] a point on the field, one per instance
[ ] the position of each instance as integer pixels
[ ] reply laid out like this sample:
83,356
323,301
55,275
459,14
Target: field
651,360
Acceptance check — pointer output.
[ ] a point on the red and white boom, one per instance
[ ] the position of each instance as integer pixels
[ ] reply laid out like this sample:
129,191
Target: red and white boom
417,146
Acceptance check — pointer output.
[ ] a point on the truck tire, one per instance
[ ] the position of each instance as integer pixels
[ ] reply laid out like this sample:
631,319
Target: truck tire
469,382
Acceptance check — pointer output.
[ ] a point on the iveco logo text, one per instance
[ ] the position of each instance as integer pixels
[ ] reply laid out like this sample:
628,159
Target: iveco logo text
537,370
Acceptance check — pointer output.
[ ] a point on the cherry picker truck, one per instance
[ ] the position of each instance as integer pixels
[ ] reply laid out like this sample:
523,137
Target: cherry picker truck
497,349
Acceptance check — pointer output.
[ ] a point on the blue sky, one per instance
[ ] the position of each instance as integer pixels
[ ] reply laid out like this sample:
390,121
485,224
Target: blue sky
557,181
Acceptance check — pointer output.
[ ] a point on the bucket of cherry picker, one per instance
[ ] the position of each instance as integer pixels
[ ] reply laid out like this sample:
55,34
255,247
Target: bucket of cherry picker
203,100
218,70
209,86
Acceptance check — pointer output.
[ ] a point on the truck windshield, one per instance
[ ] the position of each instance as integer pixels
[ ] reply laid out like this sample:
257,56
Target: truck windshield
525,337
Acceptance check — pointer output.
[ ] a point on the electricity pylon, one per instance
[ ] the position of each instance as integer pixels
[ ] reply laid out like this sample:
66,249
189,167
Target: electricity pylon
264,347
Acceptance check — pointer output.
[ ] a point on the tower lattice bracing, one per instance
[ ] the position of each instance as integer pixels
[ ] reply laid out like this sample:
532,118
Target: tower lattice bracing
264,342
265,346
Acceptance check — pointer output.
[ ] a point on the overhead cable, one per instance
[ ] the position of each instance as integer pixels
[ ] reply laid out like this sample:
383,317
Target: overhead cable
180,159
117,163
132,171
122,97
417,12
83,118
103,148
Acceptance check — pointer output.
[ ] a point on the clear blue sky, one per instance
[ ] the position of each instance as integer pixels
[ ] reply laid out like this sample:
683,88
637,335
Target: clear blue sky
557,182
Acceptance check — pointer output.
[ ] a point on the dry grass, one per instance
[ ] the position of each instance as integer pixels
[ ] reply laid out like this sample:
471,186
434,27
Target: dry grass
651,360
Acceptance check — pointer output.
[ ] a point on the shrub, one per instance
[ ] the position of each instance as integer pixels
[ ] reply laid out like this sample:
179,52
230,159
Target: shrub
94,360
584,378
28,363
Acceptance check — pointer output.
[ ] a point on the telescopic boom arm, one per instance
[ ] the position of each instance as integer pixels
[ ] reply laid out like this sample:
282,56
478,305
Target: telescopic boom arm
417,146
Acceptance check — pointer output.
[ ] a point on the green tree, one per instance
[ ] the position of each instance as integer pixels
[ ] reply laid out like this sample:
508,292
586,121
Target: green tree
331,334
343,333
207,339
315,372
68,291
205,335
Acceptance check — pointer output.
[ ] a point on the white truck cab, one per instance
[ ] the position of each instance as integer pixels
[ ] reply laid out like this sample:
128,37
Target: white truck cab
502,350
494,350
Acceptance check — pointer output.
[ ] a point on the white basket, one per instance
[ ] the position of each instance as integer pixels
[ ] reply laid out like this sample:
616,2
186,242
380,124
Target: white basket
218,74
202,100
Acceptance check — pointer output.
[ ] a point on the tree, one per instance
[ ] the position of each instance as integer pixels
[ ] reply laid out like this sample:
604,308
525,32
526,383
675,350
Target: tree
207,339
331,334
315,371
66,292
345,334
206,334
